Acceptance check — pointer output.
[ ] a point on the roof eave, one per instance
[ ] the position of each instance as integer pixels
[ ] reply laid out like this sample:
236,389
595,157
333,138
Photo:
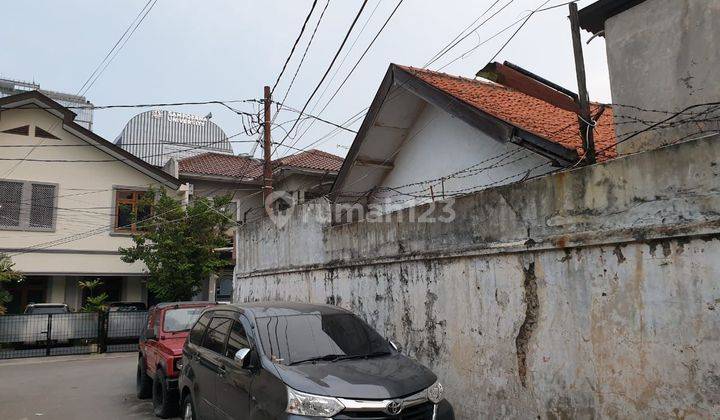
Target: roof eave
592,18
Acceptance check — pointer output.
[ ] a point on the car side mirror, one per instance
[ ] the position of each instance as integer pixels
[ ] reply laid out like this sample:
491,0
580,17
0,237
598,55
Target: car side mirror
150,334
241,356
395,346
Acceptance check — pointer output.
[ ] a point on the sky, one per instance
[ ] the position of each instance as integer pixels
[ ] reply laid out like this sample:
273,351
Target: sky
202,50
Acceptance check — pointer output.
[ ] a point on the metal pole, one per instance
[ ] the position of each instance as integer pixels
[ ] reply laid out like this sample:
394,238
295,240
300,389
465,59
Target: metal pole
586,131
267,172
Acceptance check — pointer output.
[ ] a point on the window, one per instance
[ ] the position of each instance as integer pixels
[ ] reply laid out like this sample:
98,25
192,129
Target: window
26,205
198,330
129,209
216,334
237,340
180,319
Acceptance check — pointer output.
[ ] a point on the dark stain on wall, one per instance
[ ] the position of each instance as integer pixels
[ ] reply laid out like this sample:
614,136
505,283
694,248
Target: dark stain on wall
532,307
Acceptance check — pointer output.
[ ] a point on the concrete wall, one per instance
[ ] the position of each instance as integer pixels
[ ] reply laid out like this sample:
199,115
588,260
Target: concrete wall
590,293
439,144
661,56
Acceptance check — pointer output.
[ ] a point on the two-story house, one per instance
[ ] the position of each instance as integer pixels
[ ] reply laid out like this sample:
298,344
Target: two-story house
68,199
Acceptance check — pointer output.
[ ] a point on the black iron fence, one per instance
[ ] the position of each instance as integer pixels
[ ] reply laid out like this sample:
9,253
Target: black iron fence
74,333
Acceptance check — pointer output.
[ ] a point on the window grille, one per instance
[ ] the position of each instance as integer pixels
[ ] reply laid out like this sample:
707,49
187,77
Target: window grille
42,209
10,203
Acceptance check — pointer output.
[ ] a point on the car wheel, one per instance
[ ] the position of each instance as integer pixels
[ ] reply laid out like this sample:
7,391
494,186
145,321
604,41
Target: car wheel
143,383
165,402
188,408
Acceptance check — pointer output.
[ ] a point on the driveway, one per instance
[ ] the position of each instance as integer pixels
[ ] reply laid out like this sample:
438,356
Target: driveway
72,387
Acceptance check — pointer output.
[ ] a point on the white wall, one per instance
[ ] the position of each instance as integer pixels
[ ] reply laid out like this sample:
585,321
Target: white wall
85,198
439,145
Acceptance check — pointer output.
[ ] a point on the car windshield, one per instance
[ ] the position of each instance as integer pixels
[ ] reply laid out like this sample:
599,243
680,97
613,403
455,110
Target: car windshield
181,319
44,310
302,338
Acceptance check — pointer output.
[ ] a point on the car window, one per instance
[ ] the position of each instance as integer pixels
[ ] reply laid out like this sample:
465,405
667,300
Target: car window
237,340
198,330
44,310
180,319
156,326
216,335
293,338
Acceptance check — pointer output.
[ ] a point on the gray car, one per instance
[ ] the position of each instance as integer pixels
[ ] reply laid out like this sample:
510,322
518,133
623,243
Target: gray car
299,361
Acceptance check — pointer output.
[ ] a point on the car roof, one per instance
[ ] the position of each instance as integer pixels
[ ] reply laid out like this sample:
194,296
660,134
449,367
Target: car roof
47,304
183,304
266,309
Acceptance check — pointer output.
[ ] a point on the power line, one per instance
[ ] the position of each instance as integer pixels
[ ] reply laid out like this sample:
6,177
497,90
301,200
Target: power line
292,50
113,47
302,59
327,71
518,30
117,51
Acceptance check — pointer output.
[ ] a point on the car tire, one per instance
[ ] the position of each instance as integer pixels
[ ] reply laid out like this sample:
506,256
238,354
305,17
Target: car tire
188,408
143,383
165,403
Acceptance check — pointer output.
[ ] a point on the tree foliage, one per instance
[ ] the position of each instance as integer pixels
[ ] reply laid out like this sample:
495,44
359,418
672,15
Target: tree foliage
7,275
177,243
93,303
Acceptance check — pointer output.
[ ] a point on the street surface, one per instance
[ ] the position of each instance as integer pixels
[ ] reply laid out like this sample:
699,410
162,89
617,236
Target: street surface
72,387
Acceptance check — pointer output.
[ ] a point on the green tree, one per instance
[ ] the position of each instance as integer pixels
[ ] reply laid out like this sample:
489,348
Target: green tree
177,243
93,303
7,275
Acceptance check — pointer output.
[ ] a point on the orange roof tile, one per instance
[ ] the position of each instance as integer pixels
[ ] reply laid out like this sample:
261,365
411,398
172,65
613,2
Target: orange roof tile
218,164
312,159
524,111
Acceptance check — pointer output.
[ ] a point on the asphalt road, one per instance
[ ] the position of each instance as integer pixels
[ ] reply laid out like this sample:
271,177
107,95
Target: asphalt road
73,387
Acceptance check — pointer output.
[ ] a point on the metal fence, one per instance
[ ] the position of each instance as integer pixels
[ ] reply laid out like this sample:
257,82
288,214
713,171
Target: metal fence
75,333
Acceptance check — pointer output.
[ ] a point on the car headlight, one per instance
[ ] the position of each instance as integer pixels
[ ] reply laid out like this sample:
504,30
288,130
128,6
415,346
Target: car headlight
178,364
435,392
304,404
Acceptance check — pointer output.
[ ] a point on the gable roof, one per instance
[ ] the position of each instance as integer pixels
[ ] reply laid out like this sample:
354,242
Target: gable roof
36,99
250,169
221,165
312,159
499,111
523,111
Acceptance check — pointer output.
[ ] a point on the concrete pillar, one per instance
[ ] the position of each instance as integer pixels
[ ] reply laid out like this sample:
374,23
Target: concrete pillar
56,289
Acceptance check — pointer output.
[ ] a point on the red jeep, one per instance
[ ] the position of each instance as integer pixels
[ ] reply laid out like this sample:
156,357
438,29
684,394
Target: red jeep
160,357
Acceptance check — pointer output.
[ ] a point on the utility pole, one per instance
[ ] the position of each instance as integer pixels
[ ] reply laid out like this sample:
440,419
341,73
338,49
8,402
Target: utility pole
586,131
267,170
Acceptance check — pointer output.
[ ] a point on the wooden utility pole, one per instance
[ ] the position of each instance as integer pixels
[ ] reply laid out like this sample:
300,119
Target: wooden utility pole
267,169
586,131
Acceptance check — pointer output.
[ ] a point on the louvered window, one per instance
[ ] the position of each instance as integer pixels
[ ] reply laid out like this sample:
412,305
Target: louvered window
26,205
10,203
42,206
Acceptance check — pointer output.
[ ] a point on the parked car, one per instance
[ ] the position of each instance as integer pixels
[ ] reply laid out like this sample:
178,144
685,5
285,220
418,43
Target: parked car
160,353
300,361
126,306
46,308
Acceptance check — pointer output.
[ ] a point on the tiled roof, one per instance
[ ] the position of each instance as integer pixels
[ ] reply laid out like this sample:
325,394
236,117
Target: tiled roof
217,164
312,159
524,111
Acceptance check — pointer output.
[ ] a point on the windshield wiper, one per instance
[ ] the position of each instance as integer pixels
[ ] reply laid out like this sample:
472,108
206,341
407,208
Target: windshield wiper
327,357
363,356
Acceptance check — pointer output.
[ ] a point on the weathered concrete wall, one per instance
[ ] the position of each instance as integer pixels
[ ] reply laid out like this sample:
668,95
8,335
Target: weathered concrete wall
593,293
661,56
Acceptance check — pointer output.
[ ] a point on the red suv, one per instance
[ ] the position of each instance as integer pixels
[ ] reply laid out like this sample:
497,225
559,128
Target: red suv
160,357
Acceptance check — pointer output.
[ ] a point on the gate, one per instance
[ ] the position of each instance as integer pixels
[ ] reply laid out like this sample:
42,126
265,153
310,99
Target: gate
65,334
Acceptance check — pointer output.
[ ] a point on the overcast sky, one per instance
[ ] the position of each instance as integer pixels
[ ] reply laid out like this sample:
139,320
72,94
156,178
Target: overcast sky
197,50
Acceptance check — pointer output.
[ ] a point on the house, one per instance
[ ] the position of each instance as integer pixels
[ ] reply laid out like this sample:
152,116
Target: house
662,60
303,176
430,135
68,199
